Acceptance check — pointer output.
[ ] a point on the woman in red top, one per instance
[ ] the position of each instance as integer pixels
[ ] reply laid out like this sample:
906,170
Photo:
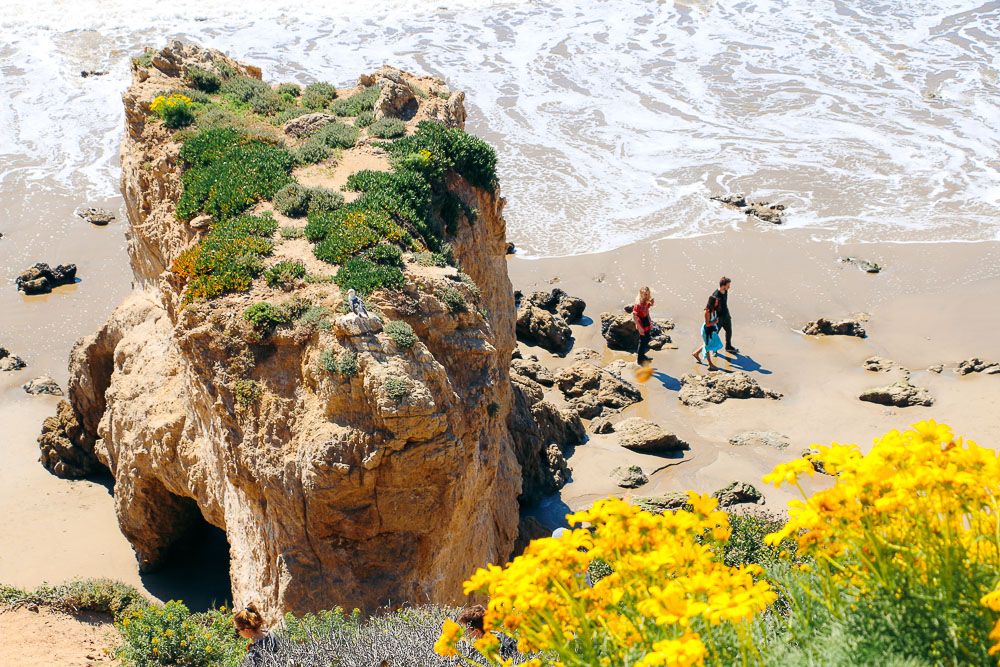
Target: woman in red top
643,324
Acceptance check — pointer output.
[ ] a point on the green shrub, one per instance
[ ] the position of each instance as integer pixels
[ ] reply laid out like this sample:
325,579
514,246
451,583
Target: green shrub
746,545
172,635
318,625
401,333
317,315
264,316
449,148
385,255
266,103
145,59
176,111
289,89
203,80
365,276
387,128
324,200
292,200
295,308
100,595
318,96
225,70
404,194
492,409
356,104
311,151
346,364
364,119
292,232
288,114
430,259
338,135
217,118
243,88
195,96
397,388
343,242
352,228
246,392
453,300
284,274
228,258
228,172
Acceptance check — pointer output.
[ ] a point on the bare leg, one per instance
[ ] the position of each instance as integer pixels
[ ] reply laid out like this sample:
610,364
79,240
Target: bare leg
697,355
711,364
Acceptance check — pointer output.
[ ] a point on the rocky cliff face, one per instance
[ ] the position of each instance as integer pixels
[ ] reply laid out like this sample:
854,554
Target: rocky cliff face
331,488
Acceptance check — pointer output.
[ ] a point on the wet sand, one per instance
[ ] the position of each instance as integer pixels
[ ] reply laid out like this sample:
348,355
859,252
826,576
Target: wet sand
931,304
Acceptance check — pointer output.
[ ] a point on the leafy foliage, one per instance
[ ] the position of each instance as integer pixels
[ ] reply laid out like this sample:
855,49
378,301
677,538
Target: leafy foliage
430,259
346,364
288,114
450,148
228,258
228,172
318,96
284,274
145,59
289,89
364,119
203,79
292,232
365,276
358,103
264,316
337,135
387,128
453,300
311,151
746,545
324,200
243,88
401,333
172,635
292,200
397,388
176,111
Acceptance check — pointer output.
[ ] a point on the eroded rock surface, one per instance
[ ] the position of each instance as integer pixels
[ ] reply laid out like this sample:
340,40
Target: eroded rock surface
977,365
42,385
736,493
766,211
863,264
620,332
41,278
629,477
900,394
594,391
717,386
825,327
307,124
660,504
771,439
543,318
67,450
642,435
385,484
10,362
95,216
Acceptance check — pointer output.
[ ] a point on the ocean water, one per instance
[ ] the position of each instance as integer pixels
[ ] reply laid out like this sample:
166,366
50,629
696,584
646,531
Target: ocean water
613,121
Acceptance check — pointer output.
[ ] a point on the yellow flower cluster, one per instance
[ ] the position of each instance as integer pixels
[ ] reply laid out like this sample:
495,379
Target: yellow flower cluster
918,514
668,586
162,102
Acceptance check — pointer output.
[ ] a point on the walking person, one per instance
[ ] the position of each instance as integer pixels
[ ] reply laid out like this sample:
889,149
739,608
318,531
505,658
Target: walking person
643,323
725,320
250,625
709,334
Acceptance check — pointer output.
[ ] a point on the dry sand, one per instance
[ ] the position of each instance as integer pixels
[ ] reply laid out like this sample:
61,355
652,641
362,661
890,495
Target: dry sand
931,304
43,638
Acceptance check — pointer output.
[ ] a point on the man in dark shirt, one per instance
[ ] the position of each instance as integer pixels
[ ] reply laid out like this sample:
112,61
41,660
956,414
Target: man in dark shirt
725,321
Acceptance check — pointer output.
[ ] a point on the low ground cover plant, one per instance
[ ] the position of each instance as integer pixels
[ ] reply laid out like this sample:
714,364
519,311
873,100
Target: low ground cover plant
397,388
317,96
172,635
284,274
345,364
387,128
401,333
204,80
356,104
176,111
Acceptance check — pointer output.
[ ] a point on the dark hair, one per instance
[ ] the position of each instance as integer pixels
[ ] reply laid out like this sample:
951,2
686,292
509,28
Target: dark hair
248,619
472,617
713,303
723,281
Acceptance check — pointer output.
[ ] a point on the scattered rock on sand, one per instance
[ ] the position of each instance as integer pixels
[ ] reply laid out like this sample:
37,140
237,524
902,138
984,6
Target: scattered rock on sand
92,72
584,354
67,449
619,331
736,493
825,327
977,365
593,391
602,426
95,216
880,365
570,308
630,477
642,435
760,438
901,394
717,386
818,464
548,330
40,278
863,264
737,200
660,504
936,368
10,362
766,211
43,385
307,124
531,368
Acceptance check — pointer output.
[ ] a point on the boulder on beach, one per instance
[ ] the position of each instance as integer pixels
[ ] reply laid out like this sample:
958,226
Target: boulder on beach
825,327
620,332
766,211
977,365
43,385
642,435
570,308
734,199
602,426
629,477
531,368
668,502
936,368
900,394
40,278
760,439
736,493
593,391
879,365
10,362
95,216
67,450
717,386
543,318
863,264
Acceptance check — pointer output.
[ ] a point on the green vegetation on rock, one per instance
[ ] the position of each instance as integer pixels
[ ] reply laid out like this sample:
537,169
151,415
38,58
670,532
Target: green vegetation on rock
317,96
356,104
401,333
204,80
453,300
397,388
284,274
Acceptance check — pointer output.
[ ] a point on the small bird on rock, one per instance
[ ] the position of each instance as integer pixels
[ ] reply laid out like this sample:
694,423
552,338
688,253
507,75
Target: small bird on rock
357,305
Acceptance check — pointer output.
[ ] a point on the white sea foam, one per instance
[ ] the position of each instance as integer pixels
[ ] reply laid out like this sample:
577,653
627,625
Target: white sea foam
613,121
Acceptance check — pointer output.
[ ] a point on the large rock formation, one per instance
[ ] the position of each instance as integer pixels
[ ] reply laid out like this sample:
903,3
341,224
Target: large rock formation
621,334
717,386
900,394
391,483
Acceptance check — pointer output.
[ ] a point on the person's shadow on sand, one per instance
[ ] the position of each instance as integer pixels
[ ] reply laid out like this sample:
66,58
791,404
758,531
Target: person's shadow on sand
668,382
744,362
